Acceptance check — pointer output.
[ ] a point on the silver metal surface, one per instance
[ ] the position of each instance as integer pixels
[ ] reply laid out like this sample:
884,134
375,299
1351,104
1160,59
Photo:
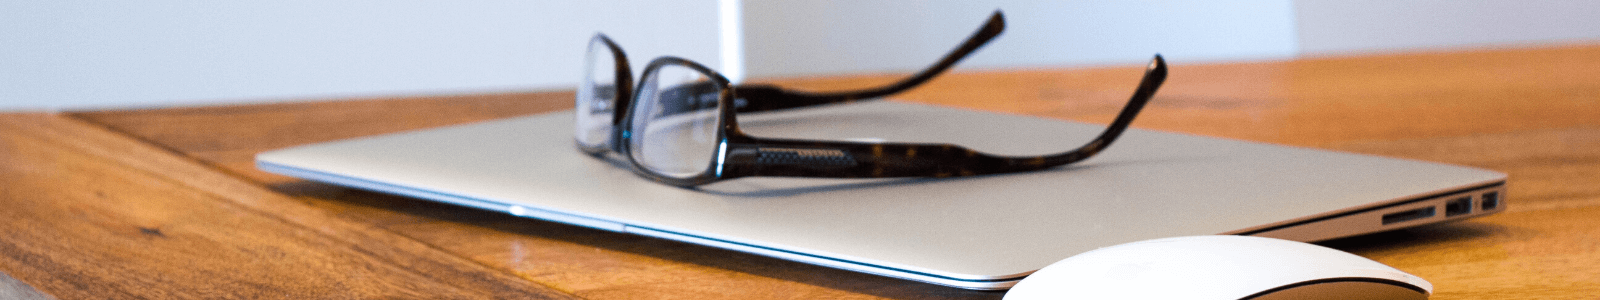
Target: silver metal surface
981,232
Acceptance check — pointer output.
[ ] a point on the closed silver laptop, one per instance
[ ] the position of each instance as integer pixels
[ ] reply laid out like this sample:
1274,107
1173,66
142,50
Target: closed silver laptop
982,232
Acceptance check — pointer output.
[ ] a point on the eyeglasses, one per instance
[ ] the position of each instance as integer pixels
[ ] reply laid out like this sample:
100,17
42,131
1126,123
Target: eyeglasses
679,127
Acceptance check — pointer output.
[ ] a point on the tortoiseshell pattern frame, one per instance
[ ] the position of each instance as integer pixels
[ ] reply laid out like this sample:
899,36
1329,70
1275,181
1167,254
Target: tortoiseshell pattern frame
759,97
741,155
752,156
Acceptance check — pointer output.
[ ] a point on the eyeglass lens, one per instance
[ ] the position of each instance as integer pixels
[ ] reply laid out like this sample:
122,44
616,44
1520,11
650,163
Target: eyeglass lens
597,96
675,122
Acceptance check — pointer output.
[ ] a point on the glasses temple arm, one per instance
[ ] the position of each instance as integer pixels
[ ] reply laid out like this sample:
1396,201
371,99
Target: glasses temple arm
1154,75
767,97
796,158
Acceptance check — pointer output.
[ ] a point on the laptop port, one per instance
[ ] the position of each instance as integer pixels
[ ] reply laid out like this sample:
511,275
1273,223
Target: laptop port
1491,200
1459,206
1415,214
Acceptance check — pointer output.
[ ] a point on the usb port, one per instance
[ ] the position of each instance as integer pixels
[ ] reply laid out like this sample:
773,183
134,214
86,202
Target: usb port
1491,200
1415,214
1459,206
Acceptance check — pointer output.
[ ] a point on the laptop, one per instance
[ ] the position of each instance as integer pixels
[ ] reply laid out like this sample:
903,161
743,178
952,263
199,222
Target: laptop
981,232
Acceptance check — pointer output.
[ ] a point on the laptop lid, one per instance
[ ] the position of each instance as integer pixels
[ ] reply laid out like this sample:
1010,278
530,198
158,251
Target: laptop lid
982,232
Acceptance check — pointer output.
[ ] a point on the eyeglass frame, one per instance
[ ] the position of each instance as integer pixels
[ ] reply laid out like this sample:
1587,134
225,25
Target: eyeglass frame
741,155
779,98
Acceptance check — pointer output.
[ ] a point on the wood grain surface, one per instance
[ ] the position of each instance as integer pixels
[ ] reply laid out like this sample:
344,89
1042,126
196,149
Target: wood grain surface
91,214
166,203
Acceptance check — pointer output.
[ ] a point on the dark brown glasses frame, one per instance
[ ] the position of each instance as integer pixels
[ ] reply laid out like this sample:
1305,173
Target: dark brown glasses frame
761,97
741,155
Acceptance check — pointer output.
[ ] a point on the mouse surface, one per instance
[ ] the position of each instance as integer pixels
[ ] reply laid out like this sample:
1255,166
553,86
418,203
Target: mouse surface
1219,267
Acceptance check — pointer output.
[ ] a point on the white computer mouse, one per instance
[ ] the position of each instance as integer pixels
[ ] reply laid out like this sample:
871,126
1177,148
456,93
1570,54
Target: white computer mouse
1219,267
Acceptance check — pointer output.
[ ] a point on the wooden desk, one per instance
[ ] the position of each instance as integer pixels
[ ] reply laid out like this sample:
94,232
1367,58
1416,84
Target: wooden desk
166,203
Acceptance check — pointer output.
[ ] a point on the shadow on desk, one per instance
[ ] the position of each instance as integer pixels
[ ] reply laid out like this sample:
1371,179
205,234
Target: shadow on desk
1416,236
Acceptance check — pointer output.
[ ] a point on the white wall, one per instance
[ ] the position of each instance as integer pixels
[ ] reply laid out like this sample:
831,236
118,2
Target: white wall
99,54
78,54
785,38
1355,26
